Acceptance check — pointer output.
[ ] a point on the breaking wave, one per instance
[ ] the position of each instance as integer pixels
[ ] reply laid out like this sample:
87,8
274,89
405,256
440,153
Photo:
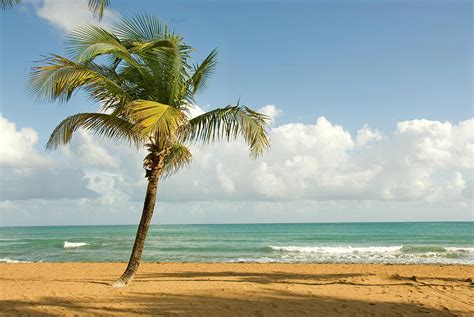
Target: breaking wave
73,245
8,260
338,250
368,254
463,250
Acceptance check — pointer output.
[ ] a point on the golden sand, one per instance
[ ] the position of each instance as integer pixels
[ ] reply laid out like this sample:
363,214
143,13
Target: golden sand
237,289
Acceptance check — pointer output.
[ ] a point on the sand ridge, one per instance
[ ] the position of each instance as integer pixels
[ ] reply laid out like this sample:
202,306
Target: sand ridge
237,289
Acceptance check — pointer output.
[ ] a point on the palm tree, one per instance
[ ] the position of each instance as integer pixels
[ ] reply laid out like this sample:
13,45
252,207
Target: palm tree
97,7
141,74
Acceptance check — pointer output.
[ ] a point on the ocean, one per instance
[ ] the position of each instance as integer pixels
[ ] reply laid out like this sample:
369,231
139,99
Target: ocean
428,242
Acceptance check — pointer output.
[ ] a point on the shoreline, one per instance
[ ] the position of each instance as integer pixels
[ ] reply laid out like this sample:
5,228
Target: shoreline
237,289
240,262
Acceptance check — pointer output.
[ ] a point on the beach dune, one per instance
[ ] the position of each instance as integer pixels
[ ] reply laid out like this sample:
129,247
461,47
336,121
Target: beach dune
238,289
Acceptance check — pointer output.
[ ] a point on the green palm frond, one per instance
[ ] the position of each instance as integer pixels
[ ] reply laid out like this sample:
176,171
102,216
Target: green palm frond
7,4
141,28
97,7
154,118
170,64
229,123
101,124
178,157
142,76
87,42
203,71
59,77
137,47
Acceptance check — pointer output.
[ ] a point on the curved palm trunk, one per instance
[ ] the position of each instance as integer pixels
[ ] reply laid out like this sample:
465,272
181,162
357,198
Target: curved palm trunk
148,208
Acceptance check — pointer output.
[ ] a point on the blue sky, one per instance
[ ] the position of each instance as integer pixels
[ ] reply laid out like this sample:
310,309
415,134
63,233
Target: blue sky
355,63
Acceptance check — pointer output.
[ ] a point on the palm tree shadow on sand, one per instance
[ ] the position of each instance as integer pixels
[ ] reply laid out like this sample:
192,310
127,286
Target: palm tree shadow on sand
265,301
280,303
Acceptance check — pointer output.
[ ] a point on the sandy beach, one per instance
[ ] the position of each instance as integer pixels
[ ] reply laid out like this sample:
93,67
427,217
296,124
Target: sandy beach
237,289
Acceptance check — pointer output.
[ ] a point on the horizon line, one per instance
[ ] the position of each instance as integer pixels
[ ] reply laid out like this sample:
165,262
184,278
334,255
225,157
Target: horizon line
243,223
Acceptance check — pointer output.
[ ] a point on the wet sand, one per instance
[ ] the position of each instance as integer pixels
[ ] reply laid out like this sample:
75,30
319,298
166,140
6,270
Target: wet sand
237,289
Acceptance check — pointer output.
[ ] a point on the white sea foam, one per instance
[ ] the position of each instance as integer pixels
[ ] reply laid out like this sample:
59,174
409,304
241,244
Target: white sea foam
254,260
371,254
72,245
8,260
338,250
459,249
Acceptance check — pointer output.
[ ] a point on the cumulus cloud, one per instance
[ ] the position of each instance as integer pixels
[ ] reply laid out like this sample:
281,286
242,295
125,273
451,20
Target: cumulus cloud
104,185
28,174
90,151
323,161
68,14
365,136
271,111
17,147
439,143
44,183
310,169
195,111
224,179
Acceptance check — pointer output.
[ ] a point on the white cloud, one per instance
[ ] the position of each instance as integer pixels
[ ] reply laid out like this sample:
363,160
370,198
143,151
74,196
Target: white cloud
28,174
365,136
195,111
271,111
68,14
44,183
224,179
439,143
322,161
267,182
17,148
104,185
90,151
310,169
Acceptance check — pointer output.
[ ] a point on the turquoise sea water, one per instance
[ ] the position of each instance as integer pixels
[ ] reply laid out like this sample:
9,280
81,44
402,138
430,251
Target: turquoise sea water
434,242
